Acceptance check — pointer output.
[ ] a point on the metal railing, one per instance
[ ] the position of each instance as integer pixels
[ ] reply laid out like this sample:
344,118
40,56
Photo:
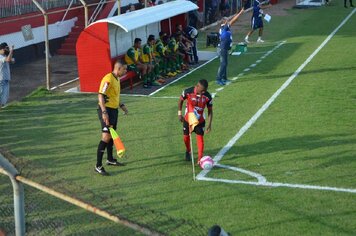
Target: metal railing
19,7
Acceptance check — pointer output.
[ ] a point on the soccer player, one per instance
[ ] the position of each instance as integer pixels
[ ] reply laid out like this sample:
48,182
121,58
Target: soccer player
109,102
256,21
148,59
351,5
197,99
224,47
132,59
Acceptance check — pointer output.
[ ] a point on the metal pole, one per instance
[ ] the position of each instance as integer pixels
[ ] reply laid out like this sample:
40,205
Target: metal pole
19,204
85,5
44,13
118,7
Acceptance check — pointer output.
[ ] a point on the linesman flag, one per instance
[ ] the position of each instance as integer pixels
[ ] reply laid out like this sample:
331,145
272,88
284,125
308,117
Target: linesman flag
192,120
120,148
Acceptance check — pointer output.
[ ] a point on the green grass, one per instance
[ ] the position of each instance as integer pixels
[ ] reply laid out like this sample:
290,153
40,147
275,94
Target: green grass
307,136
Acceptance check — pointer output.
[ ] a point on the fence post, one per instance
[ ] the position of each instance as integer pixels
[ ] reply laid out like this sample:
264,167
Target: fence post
19,205
44,13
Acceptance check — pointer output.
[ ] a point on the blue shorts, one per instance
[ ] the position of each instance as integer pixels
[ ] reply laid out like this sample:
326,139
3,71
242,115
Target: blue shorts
256,23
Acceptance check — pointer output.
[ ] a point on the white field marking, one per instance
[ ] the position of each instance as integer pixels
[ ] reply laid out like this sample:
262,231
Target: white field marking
219,89
235,78
275,184
65,83
241,74
174,81
253,65
224,150
142,95
258,61
247,69
213,95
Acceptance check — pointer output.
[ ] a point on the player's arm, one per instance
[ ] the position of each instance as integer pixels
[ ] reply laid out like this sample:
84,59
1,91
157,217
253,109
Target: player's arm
104,114
9,57
235,17
210,119
180,105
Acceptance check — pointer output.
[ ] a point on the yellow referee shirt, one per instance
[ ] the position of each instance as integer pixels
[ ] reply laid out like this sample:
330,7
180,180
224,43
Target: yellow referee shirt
110,88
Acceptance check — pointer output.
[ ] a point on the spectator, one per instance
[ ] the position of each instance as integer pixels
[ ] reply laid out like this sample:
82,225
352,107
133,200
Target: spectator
5,76
134,64
131,8
140,5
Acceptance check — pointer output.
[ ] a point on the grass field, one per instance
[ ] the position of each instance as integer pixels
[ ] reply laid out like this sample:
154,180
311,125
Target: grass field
307,136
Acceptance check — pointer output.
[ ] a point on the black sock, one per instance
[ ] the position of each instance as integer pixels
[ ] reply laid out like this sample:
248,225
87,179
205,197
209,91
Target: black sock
109,150
101,149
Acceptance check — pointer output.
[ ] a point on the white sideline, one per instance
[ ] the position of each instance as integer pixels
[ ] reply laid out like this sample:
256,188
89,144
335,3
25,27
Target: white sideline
227,147
174,81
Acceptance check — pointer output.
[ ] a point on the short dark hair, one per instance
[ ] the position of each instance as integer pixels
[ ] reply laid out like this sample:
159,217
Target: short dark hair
150,38
137,40
3,45
161,34
204,82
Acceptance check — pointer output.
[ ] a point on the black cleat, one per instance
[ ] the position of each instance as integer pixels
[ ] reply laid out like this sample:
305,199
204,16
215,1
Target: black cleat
101,170
114,162
188,157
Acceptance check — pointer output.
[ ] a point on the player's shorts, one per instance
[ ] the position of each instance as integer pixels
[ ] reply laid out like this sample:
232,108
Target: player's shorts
199,129
113,113
256,23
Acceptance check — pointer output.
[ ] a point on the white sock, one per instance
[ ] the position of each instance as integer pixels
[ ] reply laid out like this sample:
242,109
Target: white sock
259,38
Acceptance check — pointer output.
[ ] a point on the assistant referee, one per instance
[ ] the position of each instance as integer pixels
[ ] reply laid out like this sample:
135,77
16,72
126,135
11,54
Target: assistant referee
109,102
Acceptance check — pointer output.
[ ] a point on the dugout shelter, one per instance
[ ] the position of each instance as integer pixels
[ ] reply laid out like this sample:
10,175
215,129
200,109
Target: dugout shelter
106,40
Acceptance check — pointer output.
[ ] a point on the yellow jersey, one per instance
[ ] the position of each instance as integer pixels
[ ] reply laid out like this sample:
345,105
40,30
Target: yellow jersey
131,56
110,88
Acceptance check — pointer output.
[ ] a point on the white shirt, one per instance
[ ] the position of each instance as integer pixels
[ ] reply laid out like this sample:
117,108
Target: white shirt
4,68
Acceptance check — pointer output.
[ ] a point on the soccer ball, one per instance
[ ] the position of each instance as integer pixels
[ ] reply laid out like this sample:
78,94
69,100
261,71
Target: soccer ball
206,163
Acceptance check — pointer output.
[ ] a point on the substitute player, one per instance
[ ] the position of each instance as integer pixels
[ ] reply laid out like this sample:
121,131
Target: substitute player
256,21
109,102
197,99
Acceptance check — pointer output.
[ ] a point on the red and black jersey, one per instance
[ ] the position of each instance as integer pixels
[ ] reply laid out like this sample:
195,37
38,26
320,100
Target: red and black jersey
196,103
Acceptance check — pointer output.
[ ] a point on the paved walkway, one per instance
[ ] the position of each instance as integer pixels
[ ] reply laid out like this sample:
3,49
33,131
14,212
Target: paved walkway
28,77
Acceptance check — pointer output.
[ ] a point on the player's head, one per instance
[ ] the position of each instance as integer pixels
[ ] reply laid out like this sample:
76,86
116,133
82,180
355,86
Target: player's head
151,39
137,43
202,86
179,27
224,21
119,69
4,48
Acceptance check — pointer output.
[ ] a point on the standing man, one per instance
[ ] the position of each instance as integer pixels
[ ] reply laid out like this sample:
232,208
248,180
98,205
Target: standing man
109,102
5,77
256,21
224,47
197,99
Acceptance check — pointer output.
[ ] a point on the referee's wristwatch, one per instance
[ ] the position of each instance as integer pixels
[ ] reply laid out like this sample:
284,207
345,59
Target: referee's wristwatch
104,112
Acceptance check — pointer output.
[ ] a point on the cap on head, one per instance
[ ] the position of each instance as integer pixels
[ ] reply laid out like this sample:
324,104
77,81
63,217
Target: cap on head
3,45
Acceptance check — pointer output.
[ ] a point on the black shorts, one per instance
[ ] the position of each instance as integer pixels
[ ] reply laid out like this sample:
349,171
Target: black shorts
199,129
112,113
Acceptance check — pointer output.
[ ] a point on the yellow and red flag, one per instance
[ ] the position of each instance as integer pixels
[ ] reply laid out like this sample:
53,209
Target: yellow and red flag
120,148
192,121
